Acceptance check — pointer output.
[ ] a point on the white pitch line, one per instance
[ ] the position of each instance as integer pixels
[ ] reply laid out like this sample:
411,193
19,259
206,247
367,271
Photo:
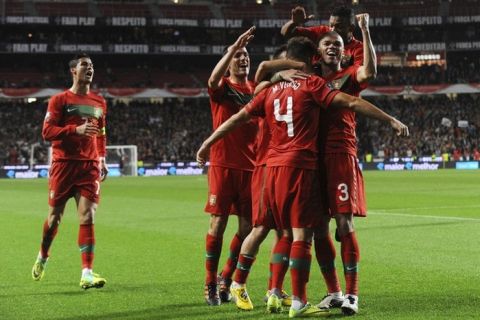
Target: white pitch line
385,213
431,208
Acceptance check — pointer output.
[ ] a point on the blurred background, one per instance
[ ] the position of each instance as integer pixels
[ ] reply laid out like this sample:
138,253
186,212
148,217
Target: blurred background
153,58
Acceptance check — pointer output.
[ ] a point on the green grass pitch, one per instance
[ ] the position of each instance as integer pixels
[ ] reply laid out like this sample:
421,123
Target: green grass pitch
420,251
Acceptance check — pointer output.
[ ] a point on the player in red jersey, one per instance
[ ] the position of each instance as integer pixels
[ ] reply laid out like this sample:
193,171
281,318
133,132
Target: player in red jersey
292,110
75,124
231,166
262,220
342,21
339,169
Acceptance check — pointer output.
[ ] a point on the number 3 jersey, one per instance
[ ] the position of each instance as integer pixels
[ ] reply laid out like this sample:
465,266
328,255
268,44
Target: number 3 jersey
292,111
66,111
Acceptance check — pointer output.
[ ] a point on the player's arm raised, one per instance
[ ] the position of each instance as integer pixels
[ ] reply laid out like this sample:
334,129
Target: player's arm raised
368,71
299,17
215,80
233,122
367,109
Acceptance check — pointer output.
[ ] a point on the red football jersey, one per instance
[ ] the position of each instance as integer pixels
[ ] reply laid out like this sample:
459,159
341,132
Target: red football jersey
292,110
262,142
353,51
235,150
337,129
65,112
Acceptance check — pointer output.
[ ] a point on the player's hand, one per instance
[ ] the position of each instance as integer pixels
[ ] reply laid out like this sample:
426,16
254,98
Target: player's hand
87,129
202,155
299,16
362,20
399,127
243,39
103,169
292,74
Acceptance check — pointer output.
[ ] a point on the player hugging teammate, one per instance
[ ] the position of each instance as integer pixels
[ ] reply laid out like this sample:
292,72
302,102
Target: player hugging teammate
311,173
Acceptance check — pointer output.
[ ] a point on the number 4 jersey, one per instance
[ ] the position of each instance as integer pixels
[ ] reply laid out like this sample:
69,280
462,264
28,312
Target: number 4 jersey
292,111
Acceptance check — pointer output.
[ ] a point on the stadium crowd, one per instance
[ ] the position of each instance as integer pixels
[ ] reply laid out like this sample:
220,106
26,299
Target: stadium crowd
172,130
145,74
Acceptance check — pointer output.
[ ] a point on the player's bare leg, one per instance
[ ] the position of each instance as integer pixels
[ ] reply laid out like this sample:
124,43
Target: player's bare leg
50,228
350,258
86,242
246,259
300,260
325,254
214,241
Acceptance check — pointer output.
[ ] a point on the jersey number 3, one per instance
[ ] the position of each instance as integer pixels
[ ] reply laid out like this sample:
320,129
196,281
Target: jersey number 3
288,117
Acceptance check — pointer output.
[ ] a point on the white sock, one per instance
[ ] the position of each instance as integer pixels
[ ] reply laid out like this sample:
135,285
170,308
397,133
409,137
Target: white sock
86,272
338,294
236,285
297,304
276,292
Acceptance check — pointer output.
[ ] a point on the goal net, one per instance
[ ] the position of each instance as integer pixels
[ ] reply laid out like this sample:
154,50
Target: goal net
122,160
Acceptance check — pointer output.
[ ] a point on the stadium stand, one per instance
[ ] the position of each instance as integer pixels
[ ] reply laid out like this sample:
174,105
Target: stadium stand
165,46
173,129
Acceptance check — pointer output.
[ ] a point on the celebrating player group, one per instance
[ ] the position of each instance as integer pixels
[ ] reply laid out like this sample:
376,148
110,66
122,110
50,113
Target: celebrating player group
283,157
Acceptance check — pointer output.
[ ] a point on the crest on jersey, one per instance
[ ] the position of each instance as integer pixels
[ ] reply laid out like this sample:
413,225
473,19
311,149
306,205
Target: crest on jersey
212,200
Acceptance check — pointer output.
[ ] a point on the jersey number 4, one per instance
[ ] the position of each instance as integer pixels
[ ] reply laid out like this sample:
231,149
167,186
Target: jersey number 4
288,117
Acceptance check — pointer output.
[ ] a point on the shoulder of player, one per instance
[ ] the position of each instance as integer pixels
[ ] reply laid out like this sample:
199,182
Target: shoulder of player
58,98
354,44
97,98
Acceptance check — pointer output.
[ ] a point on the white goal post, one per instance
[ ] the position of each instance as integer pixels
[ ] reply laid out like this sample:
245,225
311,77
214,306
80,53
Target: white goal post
122,160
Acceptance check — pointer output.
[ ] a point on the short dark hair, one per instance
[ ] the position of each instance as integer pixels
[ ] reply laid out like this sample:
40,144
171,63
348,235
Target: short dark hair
279,51
73,63
327,34
344,12
301,48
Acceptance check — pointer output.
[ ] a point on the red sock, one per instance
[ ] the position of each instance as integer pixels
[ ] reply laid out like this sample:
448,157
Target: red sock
49,233
350,257
300,260
86,243
243,268
231,263
325,254
279,263
213,249
270,268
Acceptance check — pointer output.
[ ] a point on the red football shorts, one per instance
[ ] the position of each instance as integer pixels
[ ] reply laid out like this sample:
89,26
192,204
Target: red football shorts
344,184
261,214
229,192
294,197
69,177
